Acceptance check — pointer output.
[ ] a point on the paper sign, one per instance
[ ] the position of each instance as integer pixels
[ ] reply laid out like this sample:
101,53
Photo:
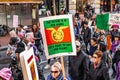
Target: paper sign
58,35
15,20
114,19
28,64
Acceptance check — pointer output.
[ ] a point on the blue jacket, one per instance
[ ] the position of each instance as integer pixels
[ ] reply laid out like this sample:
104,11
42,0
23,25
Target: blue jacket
49,77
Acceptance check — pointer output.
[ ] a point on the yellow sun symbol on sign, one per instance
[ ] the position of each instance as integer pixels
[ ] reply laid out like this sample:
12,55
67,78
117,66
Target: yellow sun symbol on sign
57,35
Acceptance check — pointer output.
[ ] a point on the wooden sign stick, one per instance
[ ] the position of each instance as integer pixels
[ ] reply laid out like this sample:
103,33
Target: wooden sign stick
63,67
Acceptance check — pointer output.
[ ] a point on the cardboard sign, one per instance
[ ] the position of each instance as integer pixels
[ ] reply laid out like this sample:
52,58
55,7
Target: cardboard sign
28,64
58,35
114,19
15,20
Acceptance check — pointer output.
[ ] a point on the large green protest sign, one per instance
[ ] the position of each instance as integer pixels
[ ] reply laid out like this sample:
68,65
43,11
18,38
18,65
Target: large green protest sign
102,21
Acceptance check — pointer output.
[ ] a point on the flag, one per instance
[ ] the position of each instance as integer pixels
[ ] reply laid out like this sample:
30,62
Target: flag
102,21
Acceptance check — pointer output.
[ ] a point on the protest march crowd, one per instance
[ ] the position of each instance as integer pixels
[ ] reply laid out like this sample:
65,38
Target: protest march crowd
97,48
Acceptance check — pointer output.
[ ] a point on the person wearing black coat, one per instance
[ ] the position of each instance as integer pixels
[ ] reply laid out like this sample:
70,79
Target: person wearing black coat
79,65
86,33
98,68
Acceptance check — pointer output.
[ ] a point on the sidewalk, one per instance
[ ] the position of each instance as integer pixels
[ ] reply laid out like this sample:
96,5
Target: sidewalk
4,40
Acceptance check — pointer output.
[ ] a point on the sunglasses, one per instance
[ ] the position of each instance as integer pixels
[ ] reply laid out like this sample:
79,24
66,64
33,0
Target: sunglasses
77,46
54,71
95,57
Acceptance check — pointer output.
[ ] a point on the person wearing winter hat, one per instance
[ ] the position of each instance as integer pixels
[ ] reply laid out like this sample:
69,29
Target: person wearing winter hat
114,31
115,26
5,74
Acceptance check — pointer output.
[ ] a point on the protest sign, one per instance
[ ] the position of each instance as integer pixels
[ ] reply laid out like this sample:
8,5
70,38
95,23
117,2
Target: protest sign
58,35
114,19
102,21
15,20
28,64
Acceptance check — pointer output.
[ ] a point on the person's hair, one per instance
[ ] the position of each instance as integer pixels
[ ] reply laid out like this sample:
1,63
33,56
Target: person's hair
98,53
20,25
85,22
93,23
36,28
13,40
102,47
57,65
94,39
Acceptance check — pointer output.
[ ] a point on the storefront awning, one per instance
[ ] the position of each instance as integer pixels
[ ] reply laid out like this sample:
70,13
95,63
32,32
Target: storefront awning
20,1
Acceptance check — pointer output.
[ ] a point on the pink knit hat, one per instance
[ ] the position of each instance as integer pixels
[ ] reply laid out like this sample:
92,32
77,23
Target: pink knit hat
21,34
5,73
115,26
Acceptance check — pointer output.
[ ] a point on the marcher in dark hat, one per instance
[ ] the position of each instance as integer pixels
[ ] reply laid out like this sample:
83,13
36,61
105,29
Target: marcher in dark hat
117,35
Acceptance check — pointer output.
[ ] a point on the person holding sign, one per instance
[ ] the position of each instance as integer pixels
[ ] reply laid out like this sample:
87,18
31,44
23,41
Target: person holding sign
56,72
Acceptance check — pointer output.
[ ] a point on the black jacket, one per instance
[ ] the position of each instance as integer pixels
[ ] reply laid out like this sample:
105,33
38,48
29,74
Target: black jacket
38,35
100,73
86,34
79,66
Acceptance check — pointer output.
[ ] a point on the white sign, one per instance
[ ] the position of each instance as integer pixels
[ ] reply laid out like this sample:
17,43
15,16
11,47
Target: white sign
28,64
15,20
114,19
58,35
97,6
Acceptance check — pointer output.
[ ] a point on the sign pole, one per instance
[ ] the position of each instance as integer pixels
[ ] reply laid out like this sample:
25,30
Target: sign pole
61,58
54,8
63,68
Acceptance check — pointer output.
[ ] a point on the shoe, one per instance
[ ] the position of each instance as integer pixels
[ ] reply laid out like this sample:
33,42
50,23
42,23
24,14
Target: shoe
47,66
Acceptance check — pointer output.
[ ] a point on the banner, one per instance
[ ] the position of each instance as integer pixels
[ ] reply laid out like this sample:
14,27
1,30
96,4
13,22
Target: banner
28,64
58,35
114,19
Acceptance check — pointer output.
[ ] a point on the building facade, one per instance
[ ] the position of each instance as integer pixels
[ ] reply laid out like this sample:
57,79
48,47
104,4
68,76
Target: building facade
106,5
26,10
